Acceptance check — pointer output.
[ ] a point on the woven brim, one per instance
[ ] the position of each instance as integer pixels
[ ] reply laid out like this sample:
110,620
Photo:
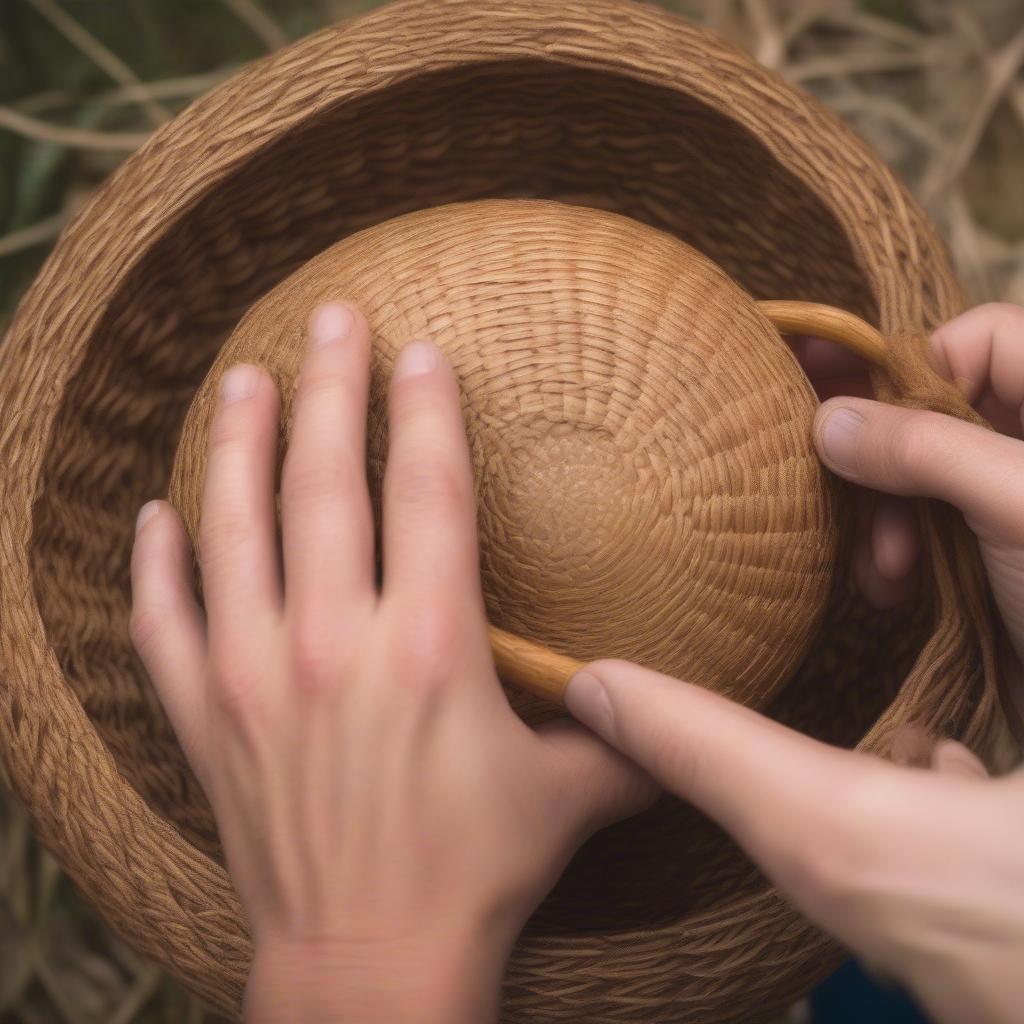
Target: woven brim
598,103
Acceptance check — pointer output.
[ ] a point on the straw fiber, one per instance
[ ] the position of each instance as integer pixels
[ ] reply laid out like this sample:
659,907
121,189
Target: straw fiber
598,104
640,433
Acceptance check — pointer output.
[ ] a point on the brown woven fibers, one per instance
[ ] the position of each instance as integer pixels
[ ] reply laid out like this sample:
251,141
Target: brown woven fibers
640,432
590,102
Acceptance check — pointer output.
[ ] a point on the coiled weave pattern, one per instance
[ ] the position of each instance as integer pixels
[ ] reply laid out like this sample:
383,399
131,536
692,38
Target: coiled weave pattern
597,103
646,483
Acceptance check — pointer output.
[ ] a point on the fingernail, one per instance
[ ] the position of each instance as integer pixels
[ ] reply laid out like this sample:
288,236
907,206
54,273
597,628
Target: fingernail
839,435
146,513
239,382
418,357
588,700
330,323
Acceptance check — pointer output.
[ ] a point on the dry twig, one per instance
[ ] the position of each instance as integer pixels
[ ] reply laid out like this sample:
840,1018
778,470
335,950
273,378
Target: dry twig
73,138
262,25
770,46
143,92
1001,71
35,234
97,52
865,62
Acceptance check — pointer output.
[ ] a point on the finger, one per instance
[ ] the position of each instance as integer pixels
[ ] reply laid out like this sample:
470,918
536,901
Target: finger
888,570
895,541
879,591
237,532
925,454
955,759
758,779
983,352
430,540
327,521
167,626
912,746
598,784
915,747
885,550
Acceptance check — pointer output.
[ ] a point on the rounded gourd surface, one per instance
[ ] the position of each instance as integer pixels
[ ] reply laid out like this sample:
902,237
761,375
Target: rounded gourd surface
640,433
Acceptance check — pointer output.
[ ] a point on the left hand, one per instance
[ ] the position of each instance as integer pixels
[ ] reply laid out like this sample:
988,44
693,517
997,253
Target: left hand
981,352
886,544
388,821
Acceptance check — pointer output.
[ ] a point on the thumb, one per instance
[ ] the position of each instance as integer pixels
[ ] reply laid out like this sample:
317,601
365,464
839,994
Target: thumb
762,782
601,785
914,746
928,455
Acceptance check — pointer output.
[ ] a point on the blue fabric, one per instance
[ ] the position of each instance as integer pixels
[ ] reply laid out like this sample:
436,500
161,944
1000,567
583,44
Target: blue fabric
851,996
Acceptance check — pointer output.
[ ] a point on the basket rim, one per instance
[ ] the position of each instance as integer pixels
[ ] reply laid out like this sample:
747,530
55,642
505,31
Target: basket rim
191,156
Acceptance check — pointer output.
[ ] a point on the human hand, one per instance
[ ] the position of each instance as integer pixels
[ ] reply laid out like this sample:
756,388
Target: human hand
885,541
907,453
388,821
982,351
919,872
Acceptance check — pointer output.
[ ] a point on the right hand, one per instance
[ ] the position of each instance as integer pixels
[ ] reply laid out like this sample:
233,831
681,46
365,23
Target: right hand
919,872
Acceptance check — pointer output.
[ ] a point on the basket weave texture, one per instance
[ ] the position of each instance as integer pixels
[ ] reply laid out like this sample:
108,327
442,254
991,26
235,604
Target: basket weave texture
595,103
646,483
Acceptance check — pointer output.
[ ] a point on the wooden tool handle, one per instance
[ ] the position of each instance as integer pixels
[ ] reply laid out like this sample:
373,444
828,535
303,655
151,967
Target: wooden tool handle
827,322
531,666
544,673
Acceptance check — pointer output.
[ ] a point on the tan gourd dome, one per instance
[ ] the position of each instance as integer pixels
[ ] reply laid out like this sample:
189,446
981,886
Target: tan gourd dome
645,478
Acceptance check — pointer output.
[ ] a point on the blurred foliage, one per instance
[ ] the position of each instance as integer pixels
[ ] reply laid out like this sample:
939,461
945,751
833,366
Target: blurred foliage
886,65
934,85
46,75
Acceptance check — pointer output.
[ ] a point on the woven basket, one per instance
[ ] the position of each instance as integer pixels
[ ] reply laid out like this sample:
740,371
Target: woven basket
428,102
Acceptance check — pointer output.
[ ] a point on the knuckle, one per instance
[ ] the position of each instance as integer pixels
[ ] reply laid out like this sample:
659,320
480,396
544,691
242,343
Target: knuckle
219,535
321,380
907,444
426,482
429,652
230,430
234,682
145,627
315,667
310,483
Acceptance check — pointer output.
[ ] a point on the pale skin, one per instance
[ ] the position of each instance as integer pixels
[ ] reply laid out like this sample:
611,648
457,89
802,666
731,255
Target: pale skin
388,821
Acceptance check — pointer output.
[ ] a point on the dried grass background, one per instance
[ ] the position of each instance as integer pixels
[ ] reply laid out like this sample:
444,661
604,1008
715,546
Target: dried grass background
936,86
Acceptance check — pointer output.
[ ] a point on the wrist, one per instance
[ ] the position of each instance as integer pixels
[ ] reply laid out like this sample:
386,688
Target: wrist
446,978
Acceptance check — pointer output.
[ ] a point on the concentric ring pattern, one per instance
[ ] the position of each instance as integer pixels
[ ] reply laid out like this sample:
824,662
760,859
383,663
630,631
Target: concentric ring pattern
640,433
